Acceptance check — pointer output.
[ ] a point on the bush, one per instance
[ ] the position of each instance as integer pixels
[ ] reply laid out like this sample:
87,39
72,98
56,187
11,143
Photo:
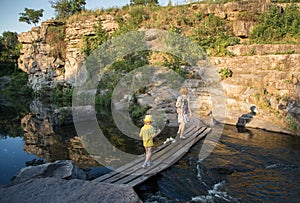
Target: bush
277,25
130,23
56,39
92,42
213,36
225,73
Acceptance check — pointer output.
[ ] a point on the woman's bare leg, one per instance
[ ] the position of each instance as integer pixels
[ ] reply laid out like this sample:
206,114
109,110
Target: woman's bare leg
182,129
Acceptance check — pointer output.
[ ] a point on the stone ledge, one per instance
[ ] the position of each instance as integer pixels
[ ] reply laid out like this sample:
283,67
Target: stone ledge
59,190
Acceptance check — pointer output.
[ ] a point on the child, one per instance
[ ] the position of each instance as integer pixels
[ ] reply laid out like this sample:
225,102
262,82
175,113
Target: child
147,133
183,110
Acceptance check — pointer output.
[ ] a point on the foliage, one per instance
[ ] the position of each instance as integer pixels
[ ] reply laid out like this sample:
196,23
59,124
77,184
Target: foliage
31,16
18,85
175,63
9,52
56,39
66,8
18,96
116,71
214,36
143,2
92,42
225,73
290,120
277,25
136,111
137,15
62,96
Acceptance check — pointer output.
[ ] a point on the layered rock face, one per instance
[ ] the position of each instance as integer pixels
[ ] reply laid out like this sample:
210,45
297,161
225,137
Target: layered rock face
43,69
264,76
269,82
46,69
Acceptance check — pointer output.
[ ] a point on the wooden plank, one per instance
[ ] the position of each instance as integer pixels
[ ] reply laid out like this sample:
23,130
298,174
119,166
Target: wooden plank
137,170
176,157
134,166
177,145
137,161
161,164
166,155
137,181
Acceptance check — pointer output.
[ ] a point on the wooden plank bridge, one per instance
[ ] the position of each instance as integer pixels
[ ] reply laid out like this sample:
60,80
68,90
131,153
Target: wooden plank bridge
163,157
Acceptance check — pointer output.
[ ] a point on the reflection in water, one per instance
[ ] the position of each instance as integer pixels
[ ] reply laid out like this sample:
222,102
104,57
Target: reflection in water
247,165
41,140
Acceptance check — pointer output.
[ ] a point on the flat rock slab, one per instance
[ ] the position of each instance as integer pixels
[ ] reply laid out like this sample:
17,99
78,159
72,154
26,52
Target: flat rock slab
59,190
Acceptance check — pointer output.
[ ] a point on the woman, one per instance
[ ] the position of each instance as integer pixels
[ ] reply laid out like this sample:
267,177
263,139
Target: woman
183,111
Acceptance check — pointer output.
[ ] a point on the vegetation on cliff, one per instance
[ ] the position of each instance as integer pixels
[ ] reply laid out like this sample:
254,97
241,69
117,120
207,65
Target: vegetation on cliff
213,27
278,26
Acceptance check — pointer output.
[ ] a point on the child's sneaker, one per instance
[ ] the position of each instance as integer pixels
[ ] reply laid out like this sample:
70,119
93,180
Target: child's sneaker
144,165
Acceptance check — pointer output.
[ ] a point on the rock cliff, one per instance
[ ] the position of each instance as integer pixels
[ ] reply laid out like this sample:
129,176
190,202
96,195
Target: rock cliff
264,76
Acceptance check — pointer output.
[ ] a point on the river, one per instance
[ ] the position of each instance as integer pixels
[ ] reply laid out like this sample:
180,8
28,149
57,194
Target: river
249,166
253,166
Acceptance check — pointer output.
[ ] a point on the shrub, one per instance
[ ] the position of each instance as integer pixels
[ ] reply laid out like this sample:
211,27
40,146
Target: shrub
92,42
213,36
277,25
225,73
56,39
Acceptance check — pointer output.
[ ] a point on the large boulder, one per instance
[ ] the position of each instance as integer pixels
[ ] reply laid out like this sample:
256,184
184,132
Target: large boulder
60,190
60,169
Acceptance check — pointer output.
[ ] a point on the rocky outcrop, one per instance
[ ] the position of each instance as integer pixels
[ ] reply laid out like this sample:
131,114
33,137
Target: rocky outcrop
75,33
269,82
59,190
47,70
232,10
39,55
44,69
62,181
59,169
265,76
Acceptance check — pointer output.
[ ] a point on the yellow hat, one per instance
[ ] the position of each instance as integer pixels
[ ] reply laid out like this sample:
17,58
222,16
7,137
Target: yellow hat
148,118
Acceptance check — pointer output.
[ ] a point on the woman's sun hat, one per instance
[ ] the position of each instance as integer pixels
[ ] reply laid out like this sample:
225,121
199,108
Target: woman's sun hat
148,118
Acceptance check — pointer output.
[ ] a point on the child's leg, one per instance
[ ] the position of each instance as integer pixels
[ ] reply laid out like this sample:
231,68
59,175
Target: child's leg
148,155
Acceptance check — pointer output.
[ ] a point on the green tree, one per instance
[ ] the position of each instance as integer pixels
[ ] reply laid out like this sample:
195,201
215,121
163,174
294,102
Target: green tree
31,16
143,2
9,52
9,46
65,8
